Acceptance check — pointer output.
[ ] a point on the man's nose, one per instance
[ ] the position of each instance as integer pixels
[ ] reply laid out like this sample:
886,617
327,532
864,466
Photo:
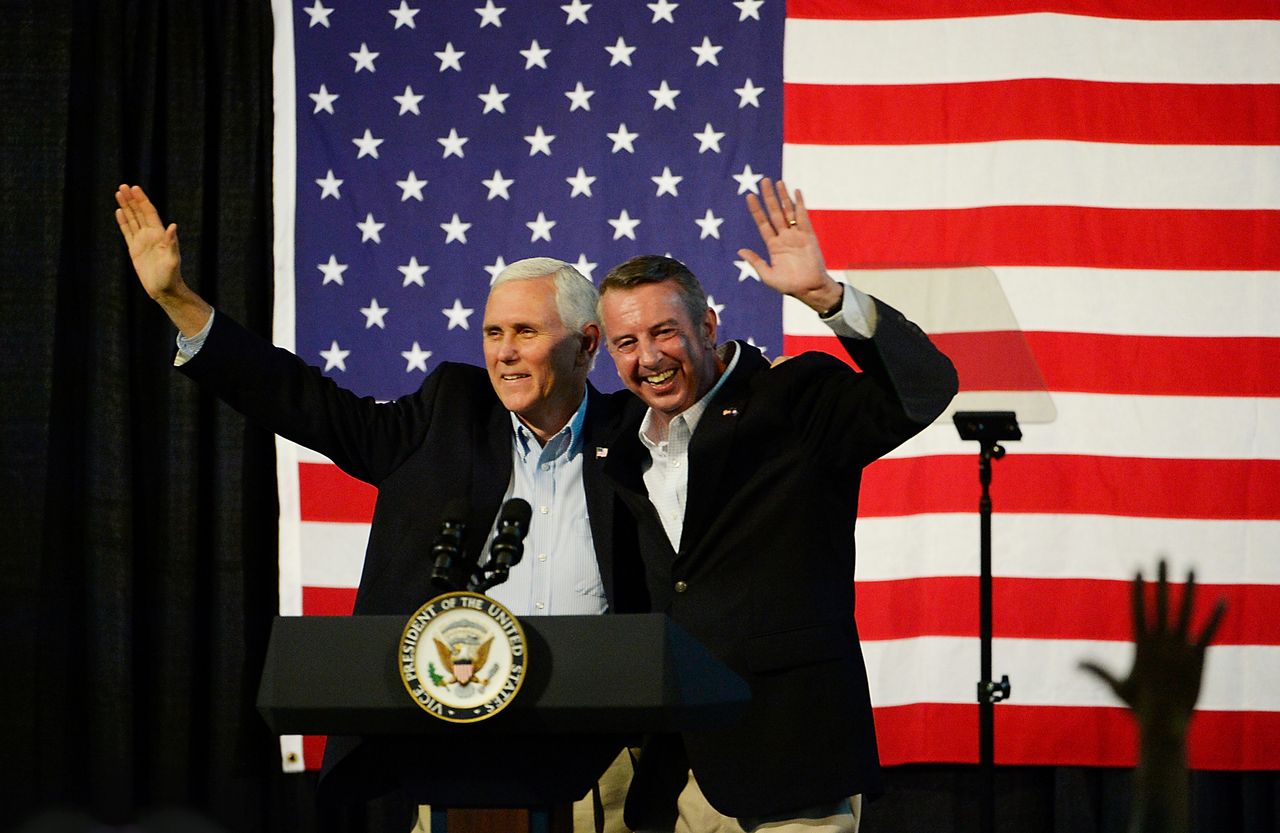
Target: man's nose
650,355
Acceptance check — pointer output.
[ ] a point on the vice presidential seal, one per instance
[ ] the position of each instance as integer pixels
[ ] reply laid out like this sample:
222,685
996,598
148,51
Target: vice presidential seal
462,657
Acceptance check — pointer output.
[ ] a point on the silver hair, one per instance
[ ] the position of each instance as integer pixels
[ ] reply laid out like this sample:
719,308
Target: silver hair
576,295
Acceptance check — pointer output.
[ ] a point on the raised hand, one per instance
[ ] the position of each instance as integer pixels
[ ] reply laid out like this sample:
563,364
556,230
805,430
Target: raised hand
795,266
153,248
1164,682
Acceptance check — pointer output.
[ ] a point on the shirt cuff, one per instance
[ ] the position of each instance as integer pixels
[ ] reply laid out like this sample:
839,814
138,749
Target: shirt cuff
188,347
856,317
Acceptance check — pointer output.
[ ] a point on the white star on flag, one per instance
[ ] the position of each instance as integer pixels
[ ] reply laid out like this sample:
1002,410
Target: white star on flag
329,186
498,186
541,228
622,139
706,52
708,139
335,356
664,96
404,15
457,315
748,93
323,99
450,58
416,358
624,226
452,144
413,272
667,182
408,101
539,142
455,230
332,271
367,144
662,11
493,99
535,56
490,15
620,53
364,58
585,266
579,98
370,229
374,314
748,180
411,187
576,11
319,15
748,9
710,225
580,182
494,269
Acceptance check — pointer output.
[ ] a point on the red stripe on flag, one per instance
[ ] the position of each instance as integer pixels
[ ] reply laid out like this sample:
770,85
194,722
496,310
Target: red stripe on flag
1051,235
327,493
1076,484
1032,108
1133,9
328,601
1097,362
1068,736
1051,608
1055,483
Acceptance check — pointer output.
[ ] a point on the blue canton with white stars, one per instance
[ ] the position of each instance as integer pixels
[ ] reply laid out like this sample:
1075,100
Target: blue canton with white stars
439,141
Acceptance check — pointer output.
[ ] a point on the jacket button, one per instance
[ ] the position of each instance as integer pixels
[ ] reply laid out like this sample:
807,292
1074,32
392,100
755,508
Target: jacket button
681,586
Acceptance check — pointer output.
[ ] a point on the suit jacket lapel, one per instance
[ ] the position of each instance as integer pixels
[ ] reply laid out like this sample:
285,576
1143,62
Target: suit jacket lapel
595,450
491,475
713,445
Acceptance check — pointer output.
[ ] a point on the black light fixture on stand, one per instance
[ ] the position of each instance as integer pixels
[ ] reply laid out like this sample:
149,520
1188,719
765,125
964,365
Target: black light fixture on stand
989,429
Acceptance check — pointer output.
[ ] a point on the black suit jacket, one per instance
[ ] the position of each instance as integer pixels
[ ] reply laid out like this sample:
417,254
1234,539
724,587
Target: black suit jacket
450,438
764,572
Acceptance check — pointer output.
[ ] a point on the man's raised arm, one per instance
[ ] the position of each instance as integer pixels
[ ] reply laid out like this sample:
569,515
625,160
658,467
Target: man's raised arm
154,251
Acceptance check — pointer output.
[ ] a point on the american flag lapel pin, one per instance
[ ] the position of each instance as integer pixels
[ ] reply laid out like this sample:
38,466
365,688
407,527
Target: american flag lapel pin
601,452
729,412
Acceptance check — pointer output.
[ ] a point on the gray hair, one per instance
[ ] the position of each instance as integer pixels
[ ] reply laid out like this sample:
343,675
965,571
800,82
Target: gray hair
576,295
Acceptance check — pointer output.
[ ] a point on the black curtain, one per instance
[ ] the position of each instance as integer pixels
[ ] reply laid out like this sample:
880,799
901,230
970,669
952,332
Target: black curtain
138,530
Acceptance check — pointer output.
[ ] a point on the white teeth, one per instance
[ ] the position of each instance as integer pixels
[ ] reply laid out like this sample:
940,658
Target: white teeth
659,378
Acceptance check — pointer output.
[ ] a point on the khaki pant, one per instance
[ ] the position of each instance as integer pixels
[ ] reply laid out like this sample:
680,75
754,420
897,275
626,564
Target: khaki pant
698,816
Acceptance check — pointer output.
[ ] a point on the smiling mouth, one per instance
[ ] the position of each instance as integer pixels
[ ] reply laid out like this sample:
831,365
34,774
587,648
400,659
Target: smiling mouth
511,377
659,378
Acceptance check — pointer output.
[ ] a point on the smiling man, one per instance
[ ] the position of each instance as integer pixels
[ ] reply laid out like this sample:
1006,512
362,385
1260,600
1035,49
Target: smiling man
744,480
525,426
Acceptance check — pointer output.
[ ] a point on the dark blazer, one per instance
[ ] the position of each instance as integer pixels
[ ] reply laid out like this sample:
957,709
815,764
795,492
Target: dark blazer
764,572
450,438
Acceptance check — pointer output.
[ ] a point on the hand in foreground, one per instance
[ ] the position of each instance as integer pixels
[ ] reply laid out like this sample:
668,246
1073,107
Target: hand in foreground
1164,683
153,247
795,266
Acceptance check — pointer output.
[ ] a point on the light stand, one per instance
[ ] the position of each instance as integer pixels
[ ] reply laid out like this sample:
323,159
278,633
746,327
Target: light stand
989,428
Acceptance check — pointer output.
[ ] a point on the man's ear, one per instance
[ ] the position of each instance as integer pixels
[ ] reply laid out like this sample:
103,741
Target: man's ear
589,342
709,322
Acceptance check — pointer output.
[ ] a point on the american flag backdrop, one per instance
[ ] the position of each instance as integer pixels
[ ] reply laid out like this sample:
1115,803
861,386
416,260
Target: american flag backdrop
1113,164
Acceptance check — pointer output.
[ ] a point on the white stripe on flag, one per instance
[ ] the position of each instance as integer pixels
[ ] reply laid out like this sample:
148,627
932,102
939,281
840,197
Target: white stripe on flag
1031,46
335,553
1108,547
1077,299
942,669
1165,427
1038,172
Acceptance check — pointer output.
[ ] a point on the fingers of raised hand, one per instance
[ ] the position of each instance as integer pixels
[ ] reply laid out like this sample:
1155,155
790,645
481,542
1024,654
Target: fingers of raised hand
1211,627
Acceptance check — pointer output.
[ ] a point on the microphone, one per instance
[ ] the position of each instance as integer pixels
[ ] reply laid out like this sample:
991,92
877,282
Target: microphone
449,569
508,541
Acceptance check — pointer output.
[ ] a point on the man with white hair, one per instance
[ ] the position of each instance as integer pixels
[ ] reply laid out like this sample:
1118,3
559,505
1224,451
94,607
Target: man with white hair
524,426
